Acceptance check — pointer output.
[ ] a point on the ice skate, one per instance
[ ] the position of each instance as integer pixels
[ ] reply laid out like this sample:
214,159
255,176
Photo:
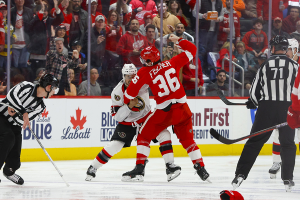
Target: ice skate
237,181
274,169
15,178
289,184
202,172
90,173
172,171
135,175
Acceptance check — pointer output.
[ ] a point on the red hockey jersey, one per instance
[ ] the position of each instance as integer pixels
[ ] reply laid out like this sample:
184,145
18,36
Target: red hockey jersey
163,78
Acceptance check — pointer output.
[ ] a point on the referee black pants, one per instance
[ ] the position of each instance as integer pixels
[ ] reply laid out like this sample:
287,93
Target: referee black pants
10,146
270,113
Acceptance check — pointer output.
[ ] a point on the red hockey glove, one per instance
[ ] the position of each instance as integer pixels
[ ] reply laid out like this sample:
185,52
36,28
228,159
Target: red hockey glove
293,118
230,194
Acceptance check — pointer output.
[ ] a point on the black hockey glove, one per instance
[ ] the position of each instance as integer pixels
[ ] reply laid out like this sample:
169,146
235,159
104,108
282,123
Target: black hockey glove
250,104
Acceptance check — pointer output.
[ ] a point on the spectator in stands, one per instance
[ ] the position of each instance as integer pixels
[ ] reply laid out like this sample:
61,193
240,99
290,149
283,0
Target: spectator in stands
141,7
170,51
66,9
39,73
113,35
169,20
122,7
251,73
60,31
148,20
224,53
41,32
73,91
95,89
212,88
256,40
262,9
250,9
189,73
79,24
150,35
58,65
277,24
289,23
20,19
94,12
4,33
98,42
175,9
131,44
179,31
85,4
244,59
238,6
224,28
208,29
80,72
296,34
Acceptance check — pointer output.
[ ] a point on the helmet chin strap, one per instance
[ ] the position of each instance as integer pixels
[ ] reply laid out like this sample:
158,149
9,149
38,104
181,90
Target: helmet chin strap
47,93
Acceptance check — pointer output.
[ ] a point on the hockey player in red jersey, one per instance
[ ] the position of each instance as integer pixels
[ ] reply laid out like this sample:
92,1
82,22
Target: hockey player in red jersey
130,117
171,109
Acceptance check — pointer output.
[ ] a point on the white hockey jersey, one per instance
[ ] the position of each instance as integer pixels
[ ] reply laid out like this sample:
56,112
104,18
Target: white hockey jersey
121,111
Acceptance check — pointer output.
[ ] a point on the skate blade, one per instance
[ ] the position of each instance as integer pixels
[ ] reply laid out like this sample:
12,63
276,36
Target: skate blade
208,180
137,178
236,185
89,178
171,177
272,176
288,188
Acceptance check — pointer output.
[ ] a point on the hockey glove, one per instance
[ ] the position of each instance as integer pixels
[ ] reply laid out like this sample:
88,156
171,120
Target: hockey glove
293,118
230,194
250,104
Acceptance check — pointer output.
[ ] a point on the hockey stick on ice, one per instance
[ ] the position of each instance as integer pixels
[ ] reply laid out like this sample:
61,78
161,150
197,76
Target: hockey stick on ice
225,100
216,135
40,145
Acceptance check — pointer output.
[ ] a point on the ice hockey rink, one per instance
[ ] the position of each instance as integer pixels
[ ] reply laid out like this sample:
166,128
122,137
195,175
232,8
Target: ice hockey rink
43,182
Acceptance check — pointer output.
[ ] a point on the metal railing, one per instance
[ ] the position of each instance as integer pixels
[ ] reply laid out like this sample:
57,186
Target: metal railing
236,81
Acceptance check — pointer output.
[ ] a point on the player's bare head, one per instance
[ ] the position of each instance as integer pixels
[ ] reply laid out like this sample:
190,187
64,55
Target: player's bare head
128,72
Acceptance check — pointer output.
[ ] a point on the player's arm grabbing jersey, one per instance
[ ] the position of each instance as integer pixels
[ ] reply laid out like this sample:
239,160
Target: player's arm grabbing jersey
163,78
274,80
122,113
22,98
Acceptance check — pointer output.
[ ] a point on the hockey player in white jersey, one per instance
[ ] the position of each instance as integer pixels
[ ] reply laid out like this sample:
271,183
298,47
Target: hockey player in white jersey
130,117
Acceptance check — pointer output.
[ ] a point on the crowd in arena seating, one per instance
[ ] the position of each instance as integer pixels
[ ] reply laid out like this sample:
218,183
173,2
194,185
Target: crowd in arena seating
51,36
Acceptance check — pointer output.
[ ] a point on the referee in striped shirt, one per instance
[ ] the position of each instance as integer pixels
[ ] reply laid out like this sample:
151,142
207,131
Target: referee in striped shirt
271,92
26,102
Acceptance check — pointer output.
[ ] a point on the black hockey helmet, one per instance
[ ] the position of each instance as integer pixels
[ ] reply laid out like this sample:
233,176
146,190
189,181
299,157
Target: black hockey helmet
280,43
49,79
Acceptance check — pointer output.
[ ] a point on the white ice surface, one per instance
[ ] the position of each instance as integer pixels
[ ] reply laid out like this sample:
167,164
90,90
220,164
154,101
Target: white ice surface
43,182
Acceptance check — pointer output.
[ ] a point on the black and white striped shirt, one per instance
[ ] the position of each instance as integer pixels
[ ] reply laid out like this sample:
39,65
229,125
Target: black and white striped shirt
274,80
23,98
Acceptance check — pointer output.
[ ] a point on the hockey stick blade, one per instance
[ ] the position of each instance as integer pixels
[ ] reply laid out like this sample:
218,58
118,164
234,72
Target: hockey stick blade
224,140
226,101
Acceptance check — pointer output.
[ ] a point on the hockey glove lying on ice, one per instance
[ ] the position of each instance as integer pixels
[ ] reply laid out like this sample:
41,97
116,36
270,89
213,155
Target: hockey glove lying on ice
293,118
250,104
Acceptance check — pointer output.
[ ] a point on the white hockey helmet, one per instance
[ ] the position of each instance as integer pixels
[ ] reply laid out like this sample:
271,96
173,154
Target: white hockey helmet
128,69
293,43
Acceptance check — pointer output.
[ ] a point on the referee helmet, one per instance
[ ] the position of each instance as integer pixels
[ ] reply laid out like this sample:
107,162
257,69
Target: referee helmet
280,43
49,79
